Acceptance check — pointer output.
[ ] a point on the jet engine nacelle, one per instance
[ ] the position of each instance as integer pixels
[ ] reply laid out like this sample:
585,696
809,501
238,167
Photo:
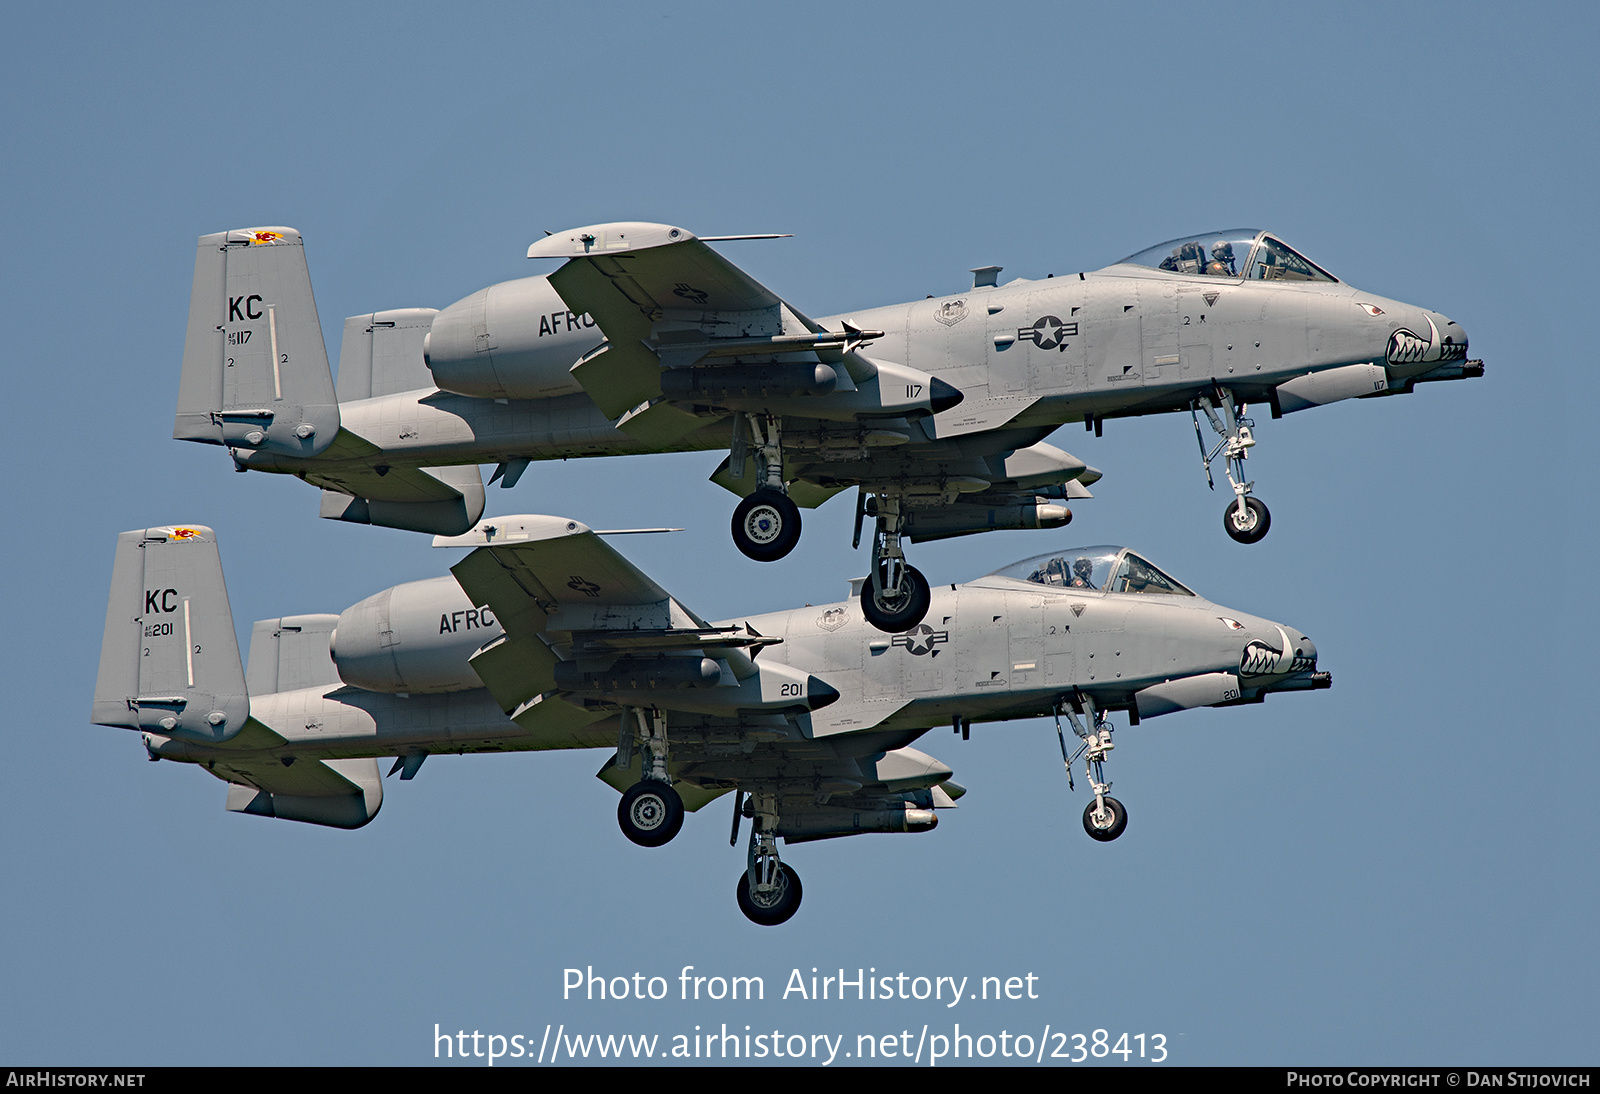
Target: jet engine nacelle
413,638
514,340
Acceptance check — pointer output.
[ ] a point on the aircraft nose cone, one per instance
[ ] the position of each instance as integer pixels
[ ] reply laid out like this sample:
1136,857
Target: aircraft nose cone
1426,341
1452,339
1277,651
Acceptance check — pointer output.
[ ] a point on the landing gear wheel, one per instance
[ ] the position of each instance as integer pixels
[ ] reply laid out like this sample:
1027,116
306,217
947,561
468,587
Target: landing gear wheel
770,909
1250,527
766,525
1109,825
650,813
897,609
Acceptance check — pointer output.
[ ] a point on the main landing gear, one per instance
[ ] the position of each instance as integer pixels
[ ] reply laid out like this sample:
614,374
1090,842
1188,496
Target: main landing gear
769,890
651,812
1245,519
766,525
896,596
1104,818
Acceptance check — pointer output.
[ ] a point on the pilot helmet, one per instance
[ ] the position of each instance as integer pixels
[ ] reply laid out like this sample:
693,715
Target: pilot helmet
1083,569
1222,251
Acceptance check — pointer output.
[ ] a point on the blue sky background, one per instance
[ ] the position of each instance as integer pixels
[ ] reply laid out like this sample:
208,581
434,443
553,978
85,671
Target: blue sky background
1401,870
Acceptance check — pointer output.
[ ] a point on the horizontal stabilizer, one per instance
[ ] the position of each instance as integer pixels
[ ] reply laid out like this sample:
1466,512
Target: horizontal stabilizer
336,793
441,500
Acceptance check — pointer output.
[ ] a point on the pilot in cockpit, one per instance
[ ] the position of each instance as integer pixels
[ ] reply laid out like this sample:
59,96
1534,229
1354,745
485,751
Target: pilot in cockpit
1221,264
1082,574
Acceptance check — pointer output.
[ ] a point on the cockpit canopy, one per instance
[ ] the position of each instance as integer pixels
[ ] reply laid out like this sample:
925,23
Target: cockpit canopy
1247,253
1104,569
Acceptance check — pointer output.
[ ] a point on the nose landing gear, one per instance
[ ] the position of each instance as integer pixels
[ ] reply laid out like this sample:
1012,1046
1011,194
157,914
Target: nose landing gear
1105,818
1246,518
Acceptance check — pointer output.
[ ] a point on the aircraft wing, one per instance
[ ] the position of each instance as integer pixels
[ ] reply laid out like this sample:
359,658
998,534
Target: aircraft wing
666,300
567,600
529,568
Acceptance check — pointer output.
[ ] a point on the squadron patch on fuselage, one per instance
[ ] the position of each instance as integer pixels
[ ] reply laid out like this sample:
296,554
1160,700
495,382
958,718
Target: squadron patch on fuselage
832,619
951,312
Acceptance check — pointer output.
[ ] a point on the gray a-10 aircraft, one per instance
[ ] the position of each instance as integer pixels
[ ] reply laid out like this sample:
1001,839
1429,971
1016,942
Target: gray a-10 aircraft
546,637
647,340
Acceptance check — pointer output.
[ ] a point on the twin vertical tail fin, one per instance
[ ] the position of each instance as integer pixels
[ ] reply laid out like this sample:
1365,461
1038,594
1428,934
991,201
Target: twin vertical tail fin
255,370
169,660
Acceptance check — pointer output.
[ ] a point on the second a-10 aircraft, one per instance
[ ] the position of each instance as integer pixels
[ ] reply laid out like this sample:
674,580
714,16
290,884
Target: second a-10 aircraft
546,637
645,339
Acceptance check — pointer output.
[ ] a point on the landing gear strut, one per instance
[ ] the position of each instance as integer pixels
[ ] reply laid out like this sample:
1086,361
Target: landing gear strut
768,891
1104,818
896,596
766,525
651,812
1245,519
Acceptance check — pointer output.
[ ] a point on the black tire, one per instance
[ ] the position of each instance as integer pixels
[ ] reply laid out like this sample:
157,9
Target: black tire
650,813
895,613
1109,832
1253,526
777,909
766,525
